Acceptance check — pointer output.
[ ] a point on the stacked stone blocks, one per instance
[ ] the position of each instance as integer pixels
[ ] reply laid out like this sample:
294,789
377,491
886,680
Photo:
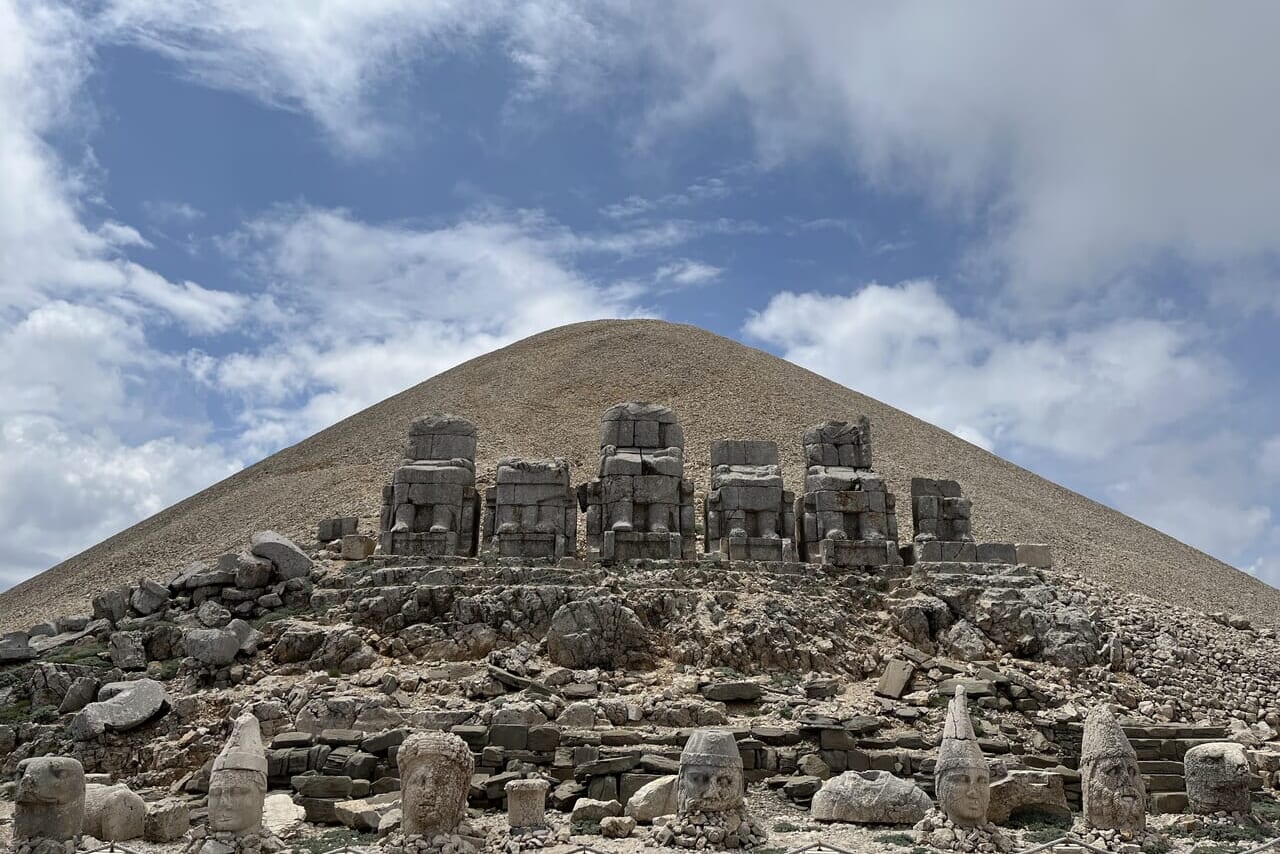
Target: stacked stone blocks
431,506
532,512
748,514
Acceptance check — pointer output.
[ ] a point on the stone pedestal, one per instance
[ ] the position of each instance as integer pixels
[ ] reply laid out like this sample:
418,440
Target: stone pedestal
621,546
526,804
858,553
425,543
760,549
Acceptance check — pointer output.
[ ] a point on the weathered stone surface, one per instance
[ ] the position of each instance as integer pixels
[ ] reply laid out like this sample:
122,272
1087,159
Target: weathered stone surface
653,799
1031,791
870,797
289,560
895,678
212,615
435,774
961,778
79,694
588,810
731,692
710,778
1217,777
1115,797
213,647
238,782
343,650
526,803
297,643
357,546
149,597
617,826
111,605
166,821
596,632
122,706
127,651
16,646
49,799
113,813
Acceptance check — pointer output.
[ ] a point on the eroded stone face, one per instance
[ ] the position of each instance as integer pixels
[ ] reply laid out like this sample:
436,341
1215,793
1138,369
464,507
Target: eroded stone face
1115,797
710,778
964,794
435,771
49,799
235,801
1217,778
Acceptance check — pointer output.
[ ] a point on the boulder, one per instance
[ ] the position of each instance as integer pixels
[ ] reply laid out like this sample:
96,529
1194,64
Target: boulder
297,643
212,615
127,651
732,692
1019,791
289,560
167,821
653,799
617,826
252,571
15,646
121,706
79,694
112,605
212,647
1218,778
149,597
896,678
590,810
113,813
870,797
344,651
598,632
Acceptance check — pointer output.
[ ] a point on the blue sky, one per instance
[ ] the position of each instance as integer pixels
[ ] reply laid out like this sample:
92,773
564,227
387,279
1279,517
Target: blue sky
1050,230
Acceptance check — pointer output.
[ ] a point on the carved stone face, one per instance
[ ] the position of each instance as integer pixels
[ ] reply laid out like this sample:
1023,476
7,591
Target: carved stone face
50,798
1217,778
1114,795
703,788
435,771
235,801
964,794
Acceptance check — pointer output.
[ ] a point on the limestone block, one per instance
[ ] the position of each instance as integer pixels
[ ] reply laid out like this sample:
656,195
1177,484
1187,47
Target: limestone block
588,810
149,597
335,529
166,821
870,797
1034,554
289,560
122,706
252,571
212,647
653,799
1218,778
1029,791
895,678
526,803
996,553
357,546
111,605
113,813
127,651
596,632
737,452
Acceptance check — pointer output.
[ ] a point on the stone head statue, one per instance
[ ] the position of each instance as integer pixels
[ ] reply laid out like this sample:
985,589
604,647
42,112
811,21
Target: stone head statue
962,778
710,778
50,799
1217,778
238,783
1115,797
435,773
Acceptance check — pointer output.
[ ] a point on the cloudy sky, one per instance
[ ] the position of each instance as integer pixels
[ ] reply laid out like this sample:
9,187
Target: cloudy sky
1051,229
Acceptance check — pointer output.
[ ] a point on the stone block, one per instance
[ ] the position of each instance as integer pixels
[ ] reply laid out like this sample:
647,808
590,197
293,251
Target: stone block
509,736
895,678
335,529
1034,554
996,553
357,546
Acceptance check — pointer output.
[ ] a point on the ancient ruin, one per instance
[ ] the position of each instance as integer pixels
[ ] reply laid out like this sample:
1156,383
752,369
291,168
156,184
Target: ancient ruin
748,513
49,805
431,506
532,512
1115,797
1218,778
640,505
963,780
237,789
710,809
435,771
846,516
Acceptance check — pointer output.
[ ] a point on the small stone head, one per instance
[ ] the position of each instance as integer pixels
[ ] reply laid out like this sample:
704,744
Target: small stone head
238,783
963,779
50,798
710,777
1115,797
1218,778
435,773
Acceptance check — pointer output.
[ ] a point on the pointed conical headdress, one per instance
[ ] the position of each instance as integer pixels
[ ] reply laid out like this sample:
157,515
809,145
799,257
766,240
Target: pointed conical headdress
711,748
243,750
959,747
1104,737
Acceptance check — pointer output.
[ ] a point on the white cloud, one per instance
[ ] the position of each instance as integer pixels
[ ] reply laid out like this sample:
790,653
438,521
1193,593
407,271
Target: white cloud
686,273
1082,393
1267,568
1269,459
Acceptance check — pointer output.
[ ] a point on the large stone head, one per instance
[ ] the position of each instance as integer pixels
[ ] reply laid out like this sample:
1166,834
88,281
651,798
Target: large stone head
710,773
1115,797
962,777
1217,778
50,799
238,783
435,773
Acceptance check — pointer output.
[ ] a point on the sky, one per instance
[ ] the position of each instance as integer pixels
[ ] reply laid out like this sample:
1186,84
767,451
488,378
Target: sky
1048,228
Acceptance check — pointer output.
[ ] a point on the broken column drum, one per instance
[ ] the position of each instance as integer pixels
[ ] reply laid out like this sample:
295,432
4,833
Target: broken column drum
49,800
532,512
431,506
847,516
747,514
639,506
527,803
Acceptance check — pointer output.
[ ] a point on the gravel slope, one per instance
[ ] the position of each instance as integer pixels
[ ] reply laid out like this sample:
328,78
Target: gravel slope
543,396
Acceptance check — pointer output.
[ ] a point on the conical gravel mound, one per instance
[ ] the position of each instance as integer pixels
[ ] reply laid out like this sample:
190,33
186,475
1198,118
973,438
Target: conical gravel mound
543,397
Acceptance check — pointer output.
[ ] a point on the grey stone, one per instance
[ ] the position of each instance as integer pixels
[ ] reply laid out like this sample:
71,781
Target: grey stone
870,797
357,546
588,810
79,694
289,560
166,821
15,646
617,826
49,799
895,678
212,647
113,813
212,615
112,605
252,572
322,786
1218,778
149,597
127,651
122,706
596,632
742,691
653,799
335,529
1029,791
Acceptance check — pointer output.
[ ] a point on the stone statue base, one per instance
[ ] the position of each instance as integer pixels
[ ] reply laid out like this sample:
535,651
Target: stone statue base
424,544
263,841
715,830
463,841
45,846
622,546
938,831
771,549
850,553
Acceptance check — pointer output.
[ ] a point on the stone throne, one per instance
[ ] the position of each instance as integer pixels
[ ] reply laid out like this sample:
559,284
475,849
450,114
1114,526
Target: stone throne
532,512
747,514
640,506
431,506
847,515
